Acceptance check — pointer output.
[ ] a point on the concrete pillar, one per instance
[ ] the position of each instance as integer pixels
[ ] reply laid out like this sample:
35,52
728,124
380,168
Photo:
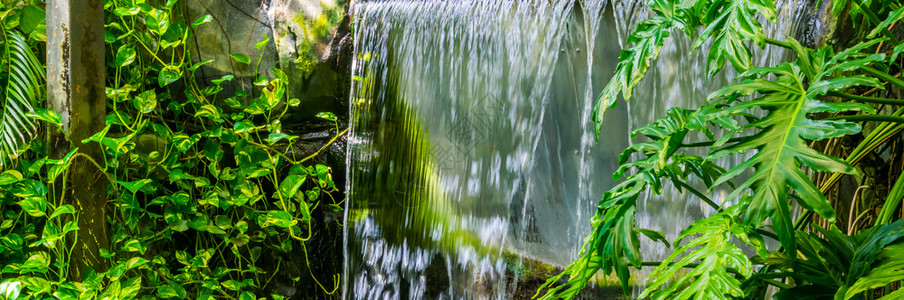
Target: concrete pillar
75,90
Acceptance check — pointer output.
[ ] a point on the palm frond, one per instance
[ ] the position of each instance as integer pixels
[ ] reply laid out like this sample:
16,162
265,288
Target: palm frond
21,87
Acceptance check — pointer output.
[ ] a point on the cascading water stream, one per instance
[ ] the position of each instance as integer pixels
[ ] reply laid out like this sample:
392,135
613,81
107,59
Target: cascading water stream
471,152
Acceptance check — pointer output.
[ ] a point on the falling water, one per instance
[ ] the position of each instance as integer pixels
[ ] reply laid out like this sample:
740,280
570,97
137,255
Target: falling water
471,149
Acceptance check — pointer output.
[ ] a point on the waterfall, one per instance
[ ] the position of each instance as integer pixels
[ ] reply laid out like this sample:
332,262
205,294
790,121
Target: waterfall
471,150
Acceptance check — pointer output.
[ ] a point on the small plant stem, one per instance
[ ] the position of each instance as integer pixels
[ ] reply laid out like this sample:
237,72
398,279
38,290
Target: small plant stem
690,265
777,283
867,99
779,43
883,76
700,195
876,118
767,234
710,143
324,146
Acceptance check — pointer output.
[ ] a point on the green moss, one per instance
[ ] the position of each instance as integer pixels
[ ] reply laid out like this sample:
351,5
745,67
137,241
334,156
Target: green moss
315,31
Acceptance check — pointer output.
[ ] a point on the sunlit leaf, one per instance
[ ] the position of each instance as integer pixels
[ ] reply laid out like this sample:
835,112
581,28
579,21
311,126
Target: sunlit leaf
241,58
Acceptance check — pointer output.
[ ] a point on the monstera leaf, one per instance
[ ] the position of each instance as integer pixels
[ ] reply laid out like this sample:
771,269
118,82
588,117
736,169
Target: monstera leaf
781,141
20,86
712,278
614,241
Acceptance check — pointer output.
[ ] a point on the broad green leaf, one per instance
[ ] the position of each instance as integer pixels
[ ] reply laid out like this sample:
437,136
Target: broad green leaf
125,56
893,17
169,74
126,11
157,21
233,285
246,295
201,20
223,222
173,290
633,63
731,26
289,186
199,64
781,143
211,112
262,44
10,289
134,186
32,17
275,137
38,261
222,79
243,126
36,207
183,142
278,218
327,116
36,285
710,279
145,102
9,177
241,58
64,209
47,115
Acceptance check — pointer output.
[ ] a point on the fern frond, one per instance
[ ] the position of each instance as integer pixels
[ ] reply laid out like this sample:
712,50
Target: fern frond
21,87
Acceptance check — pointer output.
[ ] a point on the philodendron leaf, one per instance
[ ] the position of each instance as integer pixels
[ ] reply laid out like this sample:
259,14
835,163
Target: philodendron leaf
633,63
614,242
713,248
730,29
790,101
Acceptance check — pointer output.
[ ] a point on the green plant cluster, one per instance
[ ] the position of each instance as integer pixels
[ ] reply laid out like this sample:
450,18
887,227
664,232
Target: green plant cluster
208,196
775,112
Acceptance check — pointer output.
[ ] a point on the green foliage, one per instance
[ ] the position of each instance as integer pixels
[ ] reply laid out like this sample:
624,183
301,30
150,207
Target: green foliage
718,256
833,264
208,197
729,24
20,84
614,241
776,111
781,144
